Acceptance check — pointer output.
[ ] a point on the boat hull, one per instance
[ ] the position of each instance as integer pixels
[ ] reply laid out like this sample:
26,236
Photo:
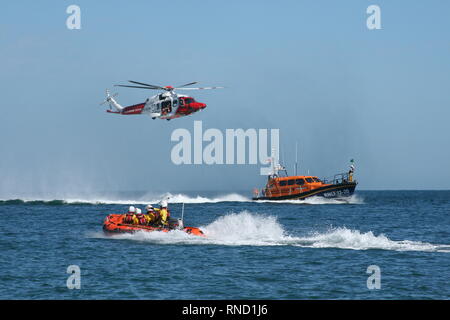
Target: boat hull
340,190
113,224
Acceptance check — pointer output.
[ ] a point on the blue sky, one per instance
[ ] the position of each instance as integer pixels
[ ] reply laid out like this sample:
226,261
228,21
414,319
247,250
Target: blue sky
310,68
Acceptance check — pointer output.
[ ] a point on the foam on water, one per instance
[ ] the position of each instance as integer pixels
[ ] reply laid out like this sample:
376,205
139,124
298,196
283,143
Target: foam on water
174,198
182,198
249,229
354,199
344,238
142,200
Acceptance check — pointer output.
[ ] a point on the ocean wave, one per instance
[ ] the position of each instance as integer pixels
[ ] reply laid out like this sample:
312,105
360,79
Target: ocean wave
343,238
354,199
60,202
249,229
172,198
182,198
54,202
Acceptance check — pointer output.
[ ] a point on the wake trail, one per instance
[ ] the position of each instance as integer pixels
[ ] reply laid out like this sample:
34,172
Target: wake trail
249,229
172,198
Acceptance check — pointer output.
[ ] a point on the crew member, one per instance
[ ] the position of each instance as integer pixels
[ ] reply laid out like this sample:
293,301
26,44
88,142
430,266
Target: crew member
150,217
164,213
137,218
157,215
129,216
350,172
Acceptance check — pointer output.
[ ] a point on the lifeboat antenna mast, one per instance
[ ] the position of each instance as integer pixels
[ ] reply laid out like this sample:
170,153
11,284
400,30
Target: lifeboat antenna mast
273,163
296,158
182,212
276,166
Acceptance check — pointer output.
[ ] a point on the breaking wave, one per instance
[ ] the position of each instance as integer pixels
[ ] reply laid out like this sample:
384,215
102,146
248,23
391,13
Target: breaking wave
182,198
172,198
248,229
354,199
344,238
60,202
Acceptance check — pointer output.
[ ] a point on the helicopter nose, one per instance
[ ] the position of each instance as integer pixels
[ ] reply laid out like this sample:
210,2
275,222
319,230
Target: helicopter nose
198,106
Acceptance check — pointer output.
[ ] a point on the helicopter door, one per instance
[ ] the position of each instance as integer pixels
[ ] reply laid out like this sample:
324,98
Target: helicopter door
175,104
166,107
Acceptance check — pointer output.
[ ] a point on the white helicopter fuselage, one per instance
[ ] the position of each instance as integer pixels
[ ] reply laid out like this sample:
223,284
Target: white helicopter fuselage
163,105
167,105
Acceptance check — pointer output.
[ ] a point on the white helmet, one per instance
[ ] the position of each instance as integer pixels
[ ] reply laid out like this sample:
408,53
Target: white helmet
163,203
131,209
138,211
149,207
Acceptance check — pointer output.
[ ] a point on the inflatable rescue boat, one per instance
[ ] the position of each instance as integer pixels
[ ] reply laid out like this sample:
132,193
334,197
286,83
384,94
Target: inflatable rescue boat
114,224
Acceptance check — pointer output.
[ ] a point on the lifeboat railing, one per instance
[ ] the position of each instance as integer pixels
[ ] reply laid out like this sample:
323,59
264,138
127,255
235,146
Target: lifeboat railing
339,178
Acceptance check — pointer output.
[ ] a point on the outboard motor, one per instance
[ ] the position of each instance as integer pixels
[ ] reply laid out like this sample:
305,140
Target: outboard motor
180,224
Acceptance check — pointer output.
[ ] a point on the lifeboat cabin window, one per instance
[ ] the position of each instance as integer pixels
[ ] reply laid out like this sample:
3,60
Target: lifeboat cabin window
309,180
316,179
291,182
300,182
283,183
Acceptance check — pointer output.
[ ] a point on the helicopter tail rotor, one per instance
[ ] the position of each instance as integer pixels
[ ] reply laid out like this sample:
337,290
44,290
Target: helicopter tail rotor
108,97
112,103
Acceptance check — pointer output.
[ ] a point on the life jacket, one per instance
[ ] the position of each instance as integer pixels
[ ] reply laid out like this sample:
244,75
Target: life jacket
128,218
141,219
157,215
149,218
135,220
164,216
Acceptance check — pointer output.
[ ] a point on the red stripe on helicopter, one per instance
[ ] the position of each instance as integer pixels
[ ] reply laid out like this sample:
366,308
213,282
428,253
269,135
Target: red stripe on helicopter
134,109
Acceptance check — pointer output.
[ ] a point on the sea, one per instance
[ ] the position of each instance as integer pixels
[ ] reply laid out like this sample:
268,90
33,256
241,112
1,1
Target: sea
374,245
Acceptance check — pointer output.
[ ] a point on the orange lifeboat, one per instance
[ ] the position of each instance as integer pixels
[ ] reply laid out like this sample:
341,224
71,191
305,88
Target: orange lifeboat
301,187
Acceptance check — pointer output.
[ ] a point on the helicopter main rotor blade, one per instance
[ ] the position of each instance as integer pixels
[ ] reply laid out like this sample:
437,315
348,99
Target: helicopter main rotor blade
122,85
147,85
185,85
204,88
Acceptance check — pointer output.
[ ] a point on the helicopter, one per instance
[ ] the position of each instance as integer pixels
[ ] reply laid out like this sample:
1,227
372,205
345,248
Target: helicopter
166,105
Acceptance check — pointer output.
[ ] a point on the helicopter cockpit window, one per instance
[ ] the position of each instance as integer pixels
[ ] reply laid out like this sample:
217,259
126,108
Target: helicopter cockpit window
175,102
189,100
